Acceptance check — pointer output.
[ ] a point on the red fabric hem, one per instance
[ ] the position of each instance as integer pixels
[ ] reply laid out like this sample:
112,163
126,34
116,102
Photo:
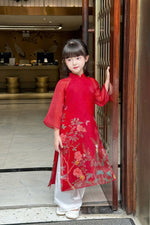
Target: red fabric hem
50,125
53,175
84,186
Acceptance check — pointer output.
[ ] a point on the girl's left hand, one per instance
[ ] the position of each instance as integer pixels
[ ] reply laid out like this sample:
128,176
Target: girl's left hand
107,81
108,74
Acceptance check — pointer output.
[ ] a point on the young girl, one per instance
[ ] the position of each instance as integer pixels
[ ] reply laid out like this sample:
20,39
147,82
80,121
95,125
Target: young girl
80,159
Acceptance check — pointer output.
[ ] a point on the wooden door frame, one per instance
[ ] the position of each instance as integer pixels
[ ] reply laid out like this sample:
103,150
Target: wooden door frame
114,64
129,107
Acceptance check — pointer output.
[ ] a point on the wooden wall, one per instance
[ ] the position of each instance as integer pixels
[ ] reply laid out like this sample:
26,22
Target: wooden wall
27,47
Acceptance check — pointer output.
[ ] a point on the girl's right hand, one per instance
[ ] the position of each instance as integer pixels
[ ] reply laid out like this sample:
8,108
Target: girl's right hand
57,140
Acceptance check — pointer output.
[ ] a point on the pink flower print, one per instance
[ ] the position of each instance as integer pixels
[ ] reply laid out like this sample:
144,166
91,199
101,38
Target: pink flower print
78,156
63,137
81,128
77,172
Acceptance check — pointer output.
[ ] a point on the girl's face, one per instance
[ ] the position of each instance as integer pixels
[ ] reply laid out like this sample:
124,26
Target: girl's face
76,64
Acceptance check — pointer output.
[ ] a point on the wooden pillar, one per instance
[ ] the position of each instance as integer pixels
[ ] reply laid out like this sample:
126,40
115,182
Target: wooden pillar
129,112
85,21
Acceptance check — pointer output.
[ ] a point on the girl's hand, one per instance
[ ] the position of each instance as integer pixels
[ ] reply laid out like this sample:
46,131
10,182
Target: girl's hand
107,82
108,74
57,140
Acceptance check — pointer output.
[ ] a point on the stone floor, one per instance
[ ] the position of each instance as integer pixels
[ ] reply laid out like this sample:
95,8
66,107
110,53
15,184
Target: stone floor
25,140
47,214
26,143
21,189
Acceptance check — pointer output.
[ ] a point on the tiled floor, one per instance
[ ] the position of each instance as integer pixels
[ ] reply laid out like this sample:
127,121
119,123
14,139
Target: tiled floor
21,189
25,140
27,143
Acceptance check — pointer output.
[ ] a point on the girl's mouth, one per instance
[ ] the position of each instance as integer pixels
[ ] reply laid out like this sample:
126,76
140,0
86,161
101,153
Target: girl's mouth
76,67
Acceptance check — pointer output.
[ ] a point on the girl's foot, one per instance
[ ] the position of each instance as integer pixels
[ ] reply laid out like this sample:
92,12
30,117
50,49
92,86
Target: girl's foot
73,214
60,212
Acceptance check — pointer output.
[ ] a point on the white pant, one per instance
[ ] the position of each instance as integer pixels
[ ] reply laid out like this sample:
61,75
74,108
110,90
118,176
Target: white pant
67,200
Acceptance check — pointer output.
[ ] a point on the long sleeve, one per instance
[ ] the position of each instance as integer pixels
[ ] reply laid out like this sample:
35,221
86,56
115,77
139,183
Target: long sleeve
101,96
54,115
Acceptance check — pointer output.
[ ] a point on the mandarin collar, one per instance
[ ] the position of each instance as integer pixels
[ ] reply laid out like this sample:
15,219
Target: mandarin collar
76,75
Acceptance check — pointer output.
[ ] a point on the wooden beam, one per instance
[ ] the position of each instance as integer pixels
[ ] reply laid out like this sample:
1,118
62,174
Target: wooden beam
40,11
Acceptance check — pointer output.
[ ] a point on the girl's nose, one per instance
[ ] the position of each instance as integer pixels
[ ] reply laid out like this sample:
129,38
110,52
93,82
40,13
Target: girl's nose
74,61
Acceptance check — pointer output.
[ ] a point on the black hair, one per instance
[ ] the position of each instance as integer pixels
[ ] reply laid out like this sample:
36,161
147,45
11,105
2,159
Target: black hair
73,48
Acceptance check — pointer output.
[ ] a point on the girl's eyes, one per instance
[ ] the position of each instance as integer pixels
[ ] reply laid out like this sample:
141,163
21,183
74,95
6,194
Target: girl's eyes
77,58
68,59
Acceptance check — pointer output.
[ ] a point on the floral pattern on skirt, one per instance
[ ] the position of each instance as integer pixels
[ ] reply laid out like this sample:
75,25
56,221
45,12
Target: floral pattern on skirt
83,159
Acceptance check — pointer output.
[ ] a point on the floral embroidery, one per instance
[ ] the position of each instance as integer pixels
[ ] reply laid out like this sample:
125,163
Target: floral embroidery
96,146
78,156
114,176
63,126
81,128
82,177
74,132
84,163
77,172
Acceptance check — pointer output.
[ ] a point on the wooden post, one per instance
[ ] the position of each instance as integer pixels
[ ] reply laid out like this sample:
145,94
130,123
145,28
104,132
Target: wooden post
129,112
85,21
